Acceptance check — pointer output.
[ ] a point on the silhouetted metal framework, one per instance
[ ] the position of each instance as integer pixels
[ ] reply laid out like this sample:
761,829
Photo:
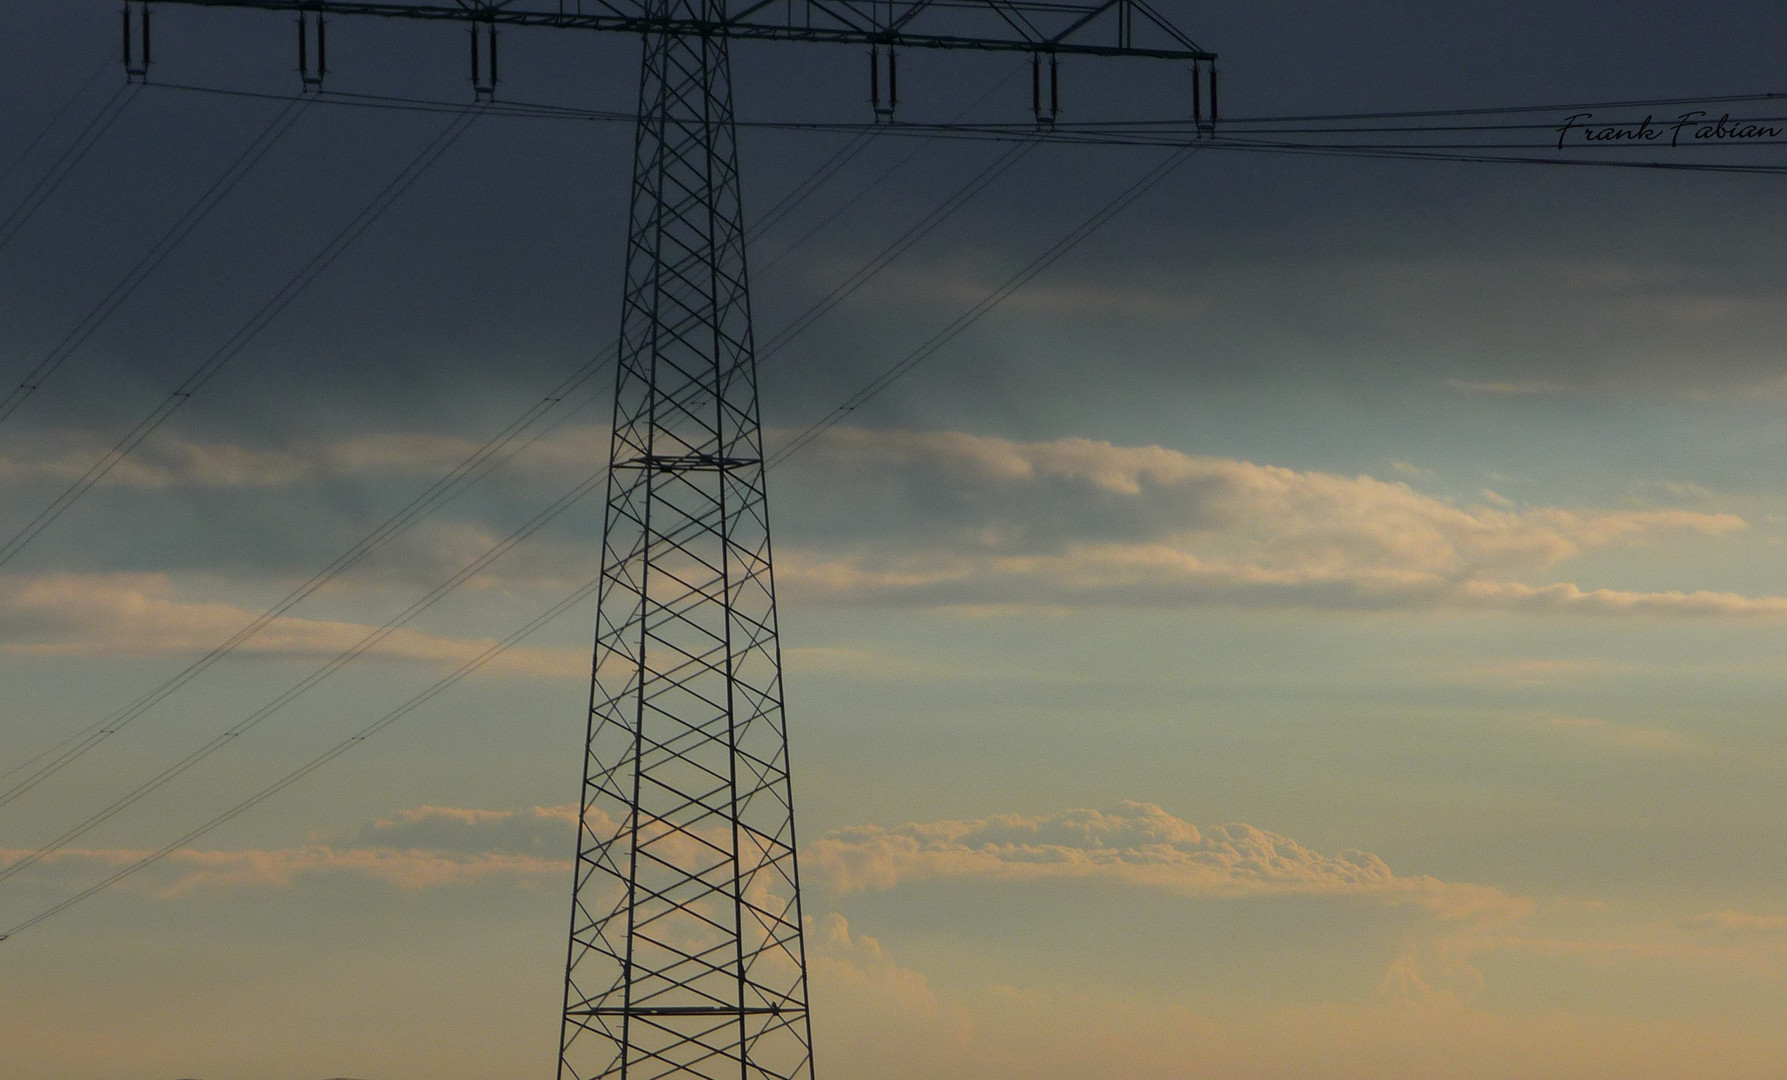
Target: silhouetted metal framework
686,952
686,955
1067,27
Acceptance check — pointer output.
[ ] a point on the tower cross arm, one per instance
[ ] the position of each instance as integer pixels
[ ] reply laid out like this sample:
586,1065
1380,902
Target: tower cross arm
1062,27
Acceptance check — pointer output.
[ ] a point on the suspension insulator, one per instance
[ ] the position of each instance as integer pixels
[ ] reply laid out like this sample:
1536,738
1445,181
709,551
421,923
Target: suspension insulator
313,50
1045,89
1197,95
484,60
136,42
883,67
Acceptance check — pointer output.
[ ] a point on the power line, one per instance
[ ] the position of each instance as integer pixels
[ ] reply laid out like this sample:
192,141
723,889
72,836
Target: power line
1036,266
315,763
246,333
58,172
814,180
1342,150
347,656
1162,133
1634,103
918,231
546,110
992,300
57,118
175,235
863,191
478,465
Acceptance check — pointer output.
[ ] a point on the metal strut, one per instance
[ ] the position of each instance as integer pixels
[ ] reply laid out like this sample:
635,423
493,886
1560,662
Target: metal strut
1128,28
686,955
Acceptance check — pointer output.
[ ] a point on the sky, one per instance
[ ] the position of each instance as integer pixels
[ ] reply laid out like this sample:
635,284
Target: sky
1328,625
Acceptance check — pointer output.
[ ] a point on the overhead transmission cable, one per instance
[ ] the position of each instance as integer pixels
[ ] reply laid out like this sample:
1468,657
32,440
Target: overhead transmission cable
1348,151
302,281
233,346
64,164
828,168
918,231
347,656
519,108
171,239
987,303
50,126
801,441
863,191
315,763
479,464
1114,133
1061,247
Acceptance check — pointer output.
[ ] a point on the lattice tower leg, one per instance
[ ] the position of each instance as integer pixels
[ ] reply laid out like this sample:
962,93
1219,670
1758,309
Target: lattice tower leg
686,956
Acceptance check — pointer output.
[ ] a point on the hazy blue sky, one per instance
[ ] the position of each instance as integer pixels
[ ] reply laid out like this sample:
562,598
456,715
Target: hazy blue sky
1331,625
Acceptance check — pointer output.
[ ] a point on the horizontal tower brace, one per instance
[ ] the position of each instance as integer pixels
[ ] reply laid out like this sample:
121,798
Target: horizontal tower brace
1104,28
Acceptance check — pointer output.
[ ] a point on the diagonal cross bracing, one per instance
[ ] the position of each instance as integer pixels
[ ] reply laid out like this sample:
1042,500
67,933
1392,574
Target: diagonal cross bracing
686,957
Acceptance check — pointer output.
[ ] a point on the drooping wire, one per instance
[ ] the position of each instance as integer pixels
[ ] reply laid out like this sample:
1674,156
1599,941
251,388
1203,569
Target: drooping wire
175,235
930,347
986,304
918,231
314,763
1341,150
50,126
1121,133
570,112
494,453
863,191
790,201
584,591
203,374
347,656
58,172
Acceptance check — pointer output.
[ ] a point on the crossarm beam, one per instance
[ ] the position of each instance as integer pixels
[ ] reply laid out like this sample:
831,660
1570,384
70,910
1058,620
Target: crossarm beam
1062,27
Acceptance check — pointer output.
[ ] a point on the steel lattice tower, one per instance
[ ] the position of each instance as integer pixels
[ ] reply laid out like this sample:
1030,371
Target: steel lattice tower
686,954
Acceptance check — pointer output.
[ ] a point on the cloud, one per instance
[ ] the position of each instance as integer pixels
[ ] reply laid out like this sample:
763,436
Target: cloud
960,283
948,518
545,830
427,847
1608,732
161,464
141,614
170,462
981,524
1137,845
858,962
1525,387
1564,596
1422,1022
1540,671
1738,920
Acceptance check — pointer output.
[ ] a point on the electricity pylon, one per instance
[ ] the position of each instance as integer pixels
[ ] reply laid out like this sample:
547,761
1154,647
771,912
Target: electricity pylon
686,956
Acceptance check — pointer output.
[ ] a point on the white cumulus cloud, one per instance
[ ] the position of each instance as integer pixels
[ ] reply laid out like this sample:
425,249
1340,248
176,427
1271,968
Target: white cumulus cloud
1140,845
949,518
